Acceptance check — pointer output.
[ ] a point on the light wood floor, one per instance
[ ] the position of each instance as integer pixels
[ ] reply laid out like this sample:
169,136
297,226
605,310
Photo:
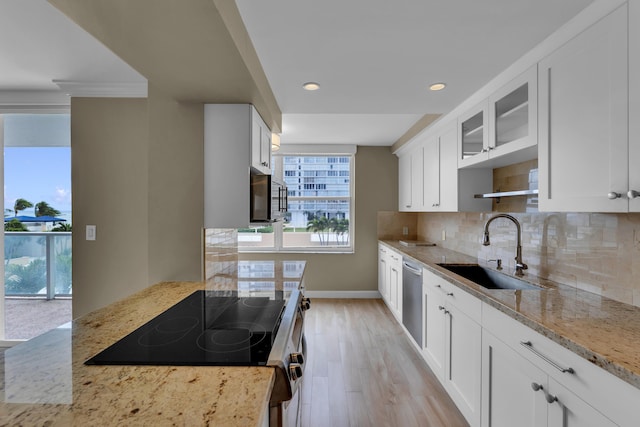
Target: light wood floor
362,370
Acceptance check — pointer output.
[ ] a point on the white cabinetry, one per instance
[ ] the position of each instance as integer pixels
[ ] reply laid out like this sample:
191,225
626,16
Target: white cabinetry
383,272
260,144
530,379
503,129
452,346
411,180
584,146
429,179
395,284
230,136
390,279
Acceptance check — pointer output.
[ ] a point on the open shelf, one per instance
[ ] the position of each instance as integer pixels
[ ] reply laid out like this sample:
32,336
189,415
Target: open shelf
506,194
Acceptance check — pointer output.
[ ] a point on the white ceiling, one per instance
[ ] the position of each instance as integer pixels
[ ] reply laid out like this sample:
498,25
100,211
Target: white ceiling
372,58
39,44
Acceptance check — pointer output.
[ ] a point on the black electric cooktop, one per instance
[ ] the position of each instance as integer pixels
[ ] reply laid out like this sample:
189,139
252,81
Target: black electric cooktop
206,328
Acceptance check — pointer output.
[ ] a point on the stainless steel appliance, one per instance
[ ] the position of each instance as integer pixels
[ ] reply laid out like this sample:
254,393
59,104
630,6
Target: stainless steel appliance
226,328
268,199
412,299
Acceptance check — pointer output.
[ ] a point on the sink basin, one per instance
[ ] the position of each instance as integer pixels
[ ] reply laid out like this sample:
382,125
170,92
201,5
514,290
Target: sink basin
488,278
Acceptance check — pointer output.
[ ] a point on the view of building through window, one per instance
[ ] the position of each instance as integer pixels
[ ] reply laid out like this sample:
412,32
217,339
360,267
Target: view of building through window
319,203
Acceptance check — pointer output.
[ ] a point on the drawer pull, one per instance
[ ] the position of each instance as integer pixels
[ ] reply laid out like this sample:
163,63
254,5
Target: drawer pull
529,346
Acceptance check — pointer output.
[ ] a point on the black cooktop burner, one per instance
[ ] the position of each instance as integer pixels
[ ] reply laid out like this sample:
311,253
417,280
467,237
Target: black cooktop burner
206,328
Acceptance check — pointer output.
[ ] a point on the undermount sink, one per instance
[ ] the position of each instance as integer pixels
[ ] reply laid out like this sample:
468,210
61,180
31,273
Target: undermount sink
487,278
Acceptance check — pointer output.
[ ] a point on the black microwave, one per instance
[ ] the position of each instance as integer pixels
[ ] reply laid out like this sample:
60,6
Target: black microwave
268,199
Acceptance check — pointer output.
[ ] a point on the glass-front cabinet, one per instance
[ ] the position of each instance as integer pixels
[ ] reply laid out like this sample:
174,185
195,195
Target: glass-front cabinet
503,129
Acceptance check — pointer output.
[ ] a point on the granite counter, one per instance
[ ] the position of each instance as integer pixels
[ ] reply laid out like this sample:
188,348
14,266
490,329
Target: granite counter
601,330
47,382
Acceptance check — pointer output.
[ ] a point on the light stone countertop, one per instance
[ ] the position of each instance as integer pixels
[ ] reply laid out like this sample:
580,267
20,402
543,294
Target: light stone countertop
47,383
601,330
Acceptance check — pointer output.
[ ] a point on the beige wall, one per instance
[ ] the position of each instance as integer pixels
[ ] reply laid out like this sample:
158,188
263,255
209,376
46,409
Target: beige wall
109,169
176,188
376,189
137,175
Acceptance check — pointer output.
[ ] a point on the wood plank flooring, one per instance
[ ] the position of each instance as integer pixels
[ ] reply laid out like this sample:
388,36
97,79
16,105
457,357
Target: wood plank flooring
362,370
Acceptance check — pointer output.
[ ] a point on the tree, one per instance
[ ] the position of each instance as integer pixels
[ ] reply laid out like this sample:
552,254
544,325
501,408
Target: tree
62,227
20,205
43,209
318,224
7,212
15,225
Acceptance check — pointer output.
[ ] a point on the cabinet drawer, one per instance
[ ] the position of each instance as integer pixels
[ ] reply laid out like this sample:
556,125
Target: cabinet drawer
463,301
610,395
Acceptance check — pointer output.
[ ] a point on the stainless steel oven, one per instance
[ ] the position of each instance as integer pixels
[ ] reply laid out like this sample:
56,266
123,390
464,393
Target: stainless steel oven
288,356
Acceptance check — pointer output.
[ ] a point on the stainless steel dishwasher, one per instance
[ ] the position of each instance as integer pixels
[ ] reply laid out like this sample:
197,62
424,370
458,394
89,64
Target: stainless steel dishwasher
412,299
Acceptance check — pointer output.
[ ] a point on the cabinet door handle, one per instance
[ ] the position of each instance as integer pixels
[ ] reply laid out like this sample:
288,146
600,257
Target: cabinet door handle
449,294
536,386
613,195
632,194
551,398
529,346
440,308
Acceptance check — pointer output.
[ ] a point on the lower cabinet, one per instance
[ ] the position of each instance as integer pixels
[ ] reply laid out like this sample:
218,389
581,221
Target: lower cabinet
507,381
390,279
531,380
395,284
501,373
383,272
452,346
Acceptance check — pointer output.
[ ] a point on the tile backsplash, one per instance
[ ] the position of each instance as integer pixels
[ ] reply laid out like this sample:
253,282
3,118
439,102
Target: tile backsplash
596,252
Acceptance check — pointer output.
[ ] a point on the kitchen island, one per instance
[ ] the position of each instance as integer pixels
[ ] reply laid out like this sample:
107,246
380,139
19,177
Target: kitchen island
47,382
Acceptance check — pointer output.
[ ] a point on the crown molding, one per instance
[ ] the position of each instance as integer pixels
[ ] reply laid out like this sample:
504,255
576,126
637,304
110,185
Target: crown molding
103,89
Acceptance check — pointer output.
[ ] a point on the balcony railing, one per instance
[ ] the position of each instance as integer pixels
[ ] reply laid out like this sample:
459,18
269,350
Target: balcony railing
37,264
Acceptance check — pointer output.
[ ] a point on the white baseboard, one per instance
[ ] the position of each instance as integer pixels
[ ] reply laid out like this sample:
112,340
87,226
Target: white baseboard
342,294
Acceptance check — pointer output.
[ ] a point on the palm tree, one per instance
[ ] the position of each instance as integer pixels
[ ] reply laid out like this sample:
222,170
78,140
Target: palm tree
318,224
62,227
43,209
20,205
7,212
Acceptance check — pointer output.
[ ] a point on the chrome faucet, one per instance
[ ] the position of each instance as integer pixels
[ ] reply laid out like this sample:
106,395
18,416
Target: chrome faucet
520,266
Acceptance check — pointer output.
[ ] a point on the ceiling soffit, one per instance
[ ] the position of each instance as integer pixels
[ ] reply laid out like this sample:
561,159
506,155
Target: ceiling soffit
182,47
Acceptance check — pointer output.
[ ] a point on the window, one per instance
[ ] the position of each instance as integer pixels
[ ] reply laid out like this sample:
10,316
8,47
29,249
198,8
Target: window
320,206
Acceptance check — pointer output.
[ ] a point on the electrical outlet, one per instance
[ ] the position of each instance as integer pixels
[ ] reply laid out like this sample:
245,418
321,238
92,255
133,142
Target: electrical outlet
444,234
405,231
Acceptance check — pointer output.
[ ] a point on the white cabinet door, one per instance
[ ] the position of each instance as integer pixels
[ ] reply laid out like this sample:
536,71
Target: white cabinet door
462,363
260,144
450,194
568,410
434,325
431,173
508,387
513,118
583,120
383,273
404,182
417,179
502,130
395,284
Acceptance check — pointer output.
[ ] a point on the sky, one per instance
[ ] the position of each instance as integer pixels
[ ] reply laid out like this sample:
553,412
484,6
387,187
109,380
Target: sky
38,174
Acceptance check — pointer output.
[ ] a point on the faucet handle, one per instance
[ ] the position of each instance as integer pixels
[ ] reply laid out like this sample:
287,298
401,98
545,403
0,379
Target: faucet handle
498,262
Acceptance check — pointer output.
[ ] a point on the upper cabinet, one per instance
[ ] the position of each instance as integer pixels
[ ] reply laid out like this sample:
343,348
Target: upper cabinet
232,145
260,144
411,180
585,150
429,179
503,129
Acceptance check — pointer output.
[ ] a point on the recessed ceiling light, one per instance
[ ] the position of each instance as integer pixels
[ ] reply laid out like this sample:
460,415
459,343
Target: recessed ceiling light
437,86
311,86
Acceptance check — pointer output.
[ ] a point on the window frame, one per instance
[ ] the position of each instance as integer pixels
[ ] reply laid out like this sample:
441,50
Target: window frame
278,173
